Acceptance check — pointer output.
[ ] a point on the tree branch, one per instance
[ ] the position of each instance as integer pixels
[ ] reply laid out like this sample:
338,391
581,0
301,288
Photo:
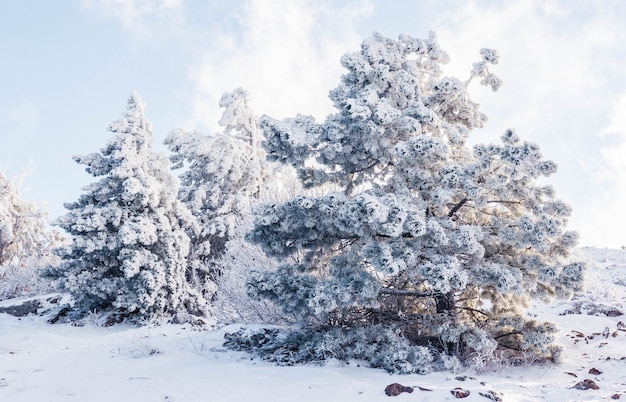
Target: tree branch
473,310
507,334
504,202
406,293
457,207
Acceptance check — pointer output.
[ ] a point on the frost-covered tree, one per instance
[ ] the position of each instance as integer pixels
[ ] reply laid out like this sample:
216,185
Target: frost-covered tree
128,244
26,241
441,242
224,175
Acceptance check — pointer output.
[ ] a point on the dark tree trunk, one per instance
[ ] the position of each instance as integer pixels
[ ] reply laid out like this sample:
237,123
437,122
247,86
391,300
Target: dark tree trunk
444,303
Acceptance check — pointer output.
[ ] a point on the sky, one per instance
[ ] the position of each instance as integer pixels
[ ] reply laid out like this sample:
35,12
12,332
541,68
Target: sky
68,67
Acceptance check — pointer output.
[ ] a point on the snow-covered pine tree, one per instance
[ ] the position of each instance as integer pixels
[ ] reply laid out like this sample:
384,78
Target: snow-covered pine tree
26,242
440,243
224,175
128,244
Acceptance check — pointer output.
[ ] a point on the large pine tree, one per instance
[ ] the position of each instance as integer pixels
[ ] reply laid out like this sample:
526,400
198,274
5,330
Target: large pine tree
128,247
439,243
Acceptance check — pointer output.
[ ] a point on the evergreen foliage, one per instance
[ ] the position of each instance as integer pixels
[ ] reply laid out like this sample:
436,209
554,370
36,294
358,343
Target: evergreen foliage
26,242
380,346
128,244
223,177
439,242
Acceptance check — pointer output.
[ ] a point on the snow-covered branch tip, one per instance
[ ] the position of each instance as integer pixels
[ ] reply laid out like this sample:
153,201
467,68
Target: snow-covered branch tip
480,69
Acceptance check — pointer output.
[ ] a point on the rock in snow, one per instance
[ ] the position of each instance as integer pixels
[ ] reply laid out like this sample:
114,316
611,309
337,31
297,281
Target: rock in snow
396,389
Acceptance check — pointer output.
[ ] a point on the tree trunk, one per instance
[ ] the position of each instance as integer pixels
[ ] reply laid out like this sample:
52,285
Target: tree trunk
444,303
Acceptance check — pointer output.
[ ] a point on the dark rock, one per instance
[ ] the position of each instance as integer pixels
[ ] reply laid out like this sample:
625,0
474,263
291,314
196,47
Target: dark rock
184,318
55,314
396,389
612,312
595,371
586,384
460,393
113,319
54,299
615,396
593,309
22,310
492,395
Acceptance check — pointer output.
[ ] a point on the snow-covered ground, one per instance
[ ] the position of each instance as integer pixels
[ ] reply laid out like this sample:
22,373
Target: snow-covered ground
61,362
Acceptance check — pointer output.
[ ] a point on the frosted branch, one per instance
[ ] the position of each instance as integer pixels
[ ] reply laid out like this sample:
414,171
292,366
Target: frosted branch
406,293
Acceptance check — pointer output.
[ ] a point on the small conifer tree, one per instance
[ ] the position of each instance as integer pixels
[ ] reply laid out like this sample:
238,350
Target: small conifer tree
128,244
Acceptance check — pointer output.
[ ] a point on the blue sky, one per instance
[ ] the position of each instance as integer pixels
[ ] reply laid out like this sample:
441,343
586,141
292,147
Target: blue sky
67,68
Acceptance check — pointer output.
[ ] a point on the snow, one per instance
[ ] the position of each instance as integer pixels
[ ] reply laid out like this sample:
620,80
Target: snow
62,362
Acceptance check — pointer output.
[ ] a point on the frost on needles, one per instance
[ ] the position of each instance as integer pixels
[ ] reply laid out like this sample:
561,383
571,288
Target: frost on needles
26,242
128,246
425,249
224,175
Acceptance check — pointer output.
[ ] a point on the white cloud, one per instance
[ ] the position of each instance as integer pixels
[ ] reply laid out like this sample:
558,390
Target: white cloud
138,16
607,214
616,154
561,67
286,54
540,60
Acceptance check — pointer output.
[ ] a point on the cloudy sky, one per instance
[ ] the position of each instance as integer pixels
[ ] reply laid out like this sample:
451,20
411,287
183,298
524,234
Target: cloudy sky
67,68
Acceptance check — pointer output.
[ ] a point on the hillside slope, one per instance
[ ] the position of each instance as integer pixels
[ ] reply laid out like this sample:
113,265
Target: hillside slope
61,362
